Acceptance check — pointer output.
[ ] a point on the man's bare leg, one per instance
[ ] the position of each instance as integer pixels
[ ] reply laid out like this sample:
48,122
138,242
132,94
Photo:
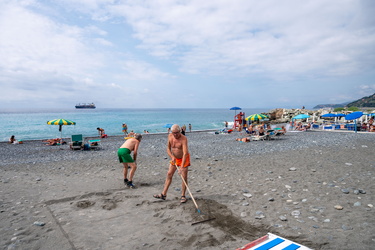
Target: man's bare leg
168,180
125,172
133,168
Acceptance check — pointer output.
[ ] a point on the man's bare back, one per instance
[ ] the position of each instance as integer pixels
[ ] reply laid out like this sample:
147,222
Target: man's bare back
130,144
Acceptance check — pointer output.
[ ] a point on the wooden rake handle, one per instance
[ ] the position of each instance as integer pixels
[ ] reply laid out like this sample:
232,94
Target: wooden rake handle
188,189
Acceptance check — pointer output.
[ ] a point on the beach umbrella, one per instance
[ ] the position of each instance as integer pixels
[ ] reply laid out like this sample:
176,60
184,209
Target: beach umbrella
354,116
61,122
301,116
235,109
256,117
329,115
168,125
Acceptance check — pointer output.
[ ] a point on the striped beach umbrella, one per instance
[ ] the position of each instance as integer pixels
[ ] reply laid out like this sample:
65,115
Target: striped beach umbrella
256,117
61,122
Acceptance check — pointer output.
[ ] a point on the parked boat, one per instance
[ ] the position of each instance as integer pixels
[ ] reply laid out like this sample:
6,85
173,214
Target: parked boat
85,106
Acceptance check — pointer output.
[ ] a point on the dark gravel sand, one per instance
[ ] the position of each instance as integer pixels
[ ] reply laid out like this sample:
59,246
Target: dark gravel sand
315,188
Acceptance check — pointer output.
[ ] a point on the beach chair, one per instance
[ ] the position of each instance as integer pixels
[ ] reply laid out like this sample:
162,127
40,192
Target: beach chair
94,144
270,134
77,142
328,127
278,134
258,137
273,242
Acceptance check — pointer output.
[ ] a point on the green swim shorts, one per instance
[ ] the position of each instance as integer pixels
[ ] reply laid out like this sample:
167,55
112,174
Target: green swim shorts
124,155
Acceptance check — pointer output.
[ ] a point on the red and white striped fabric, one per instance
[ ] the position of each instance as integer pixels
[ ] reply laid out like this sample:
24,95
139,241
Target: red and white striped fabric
273,242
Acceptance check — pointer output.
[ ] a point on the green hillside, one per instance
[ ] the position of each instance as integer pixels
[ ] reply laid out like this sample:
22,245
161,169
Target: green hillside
367,101
364,102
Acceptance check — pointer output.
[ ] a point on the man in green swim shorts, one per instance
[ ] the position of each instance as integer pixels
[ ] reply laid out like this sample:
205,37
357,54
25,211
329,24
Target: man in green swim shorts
124,156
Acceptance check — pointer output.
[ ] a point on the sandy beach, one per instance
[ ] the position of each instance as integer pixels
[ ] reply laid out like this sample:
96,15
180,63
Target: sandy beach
315,188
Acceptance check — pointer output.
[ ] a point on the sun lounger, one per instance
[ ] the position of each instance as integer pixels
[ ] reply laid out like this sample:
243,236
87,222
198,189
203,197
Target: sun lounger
273,242
270,134
94,144
258,137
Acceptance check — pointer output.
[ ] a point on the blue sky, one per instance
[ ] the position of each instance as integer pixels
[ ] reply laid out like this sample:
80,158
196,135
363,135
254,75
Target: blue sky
186,54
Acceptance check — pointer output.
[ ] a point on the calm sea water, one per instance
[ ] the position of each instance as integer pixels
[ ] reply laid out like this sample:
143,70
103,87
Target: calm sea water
32,124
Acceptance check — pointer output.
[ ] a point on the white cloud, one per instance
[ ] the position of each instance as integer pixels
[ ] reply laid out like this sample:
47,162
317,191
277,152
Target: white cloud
111,47
36,45
291,37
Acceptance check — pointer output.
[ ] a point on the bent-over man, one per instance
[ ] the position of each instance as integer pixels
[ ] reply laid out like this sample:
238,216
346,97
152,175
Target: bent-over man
124,156
178,151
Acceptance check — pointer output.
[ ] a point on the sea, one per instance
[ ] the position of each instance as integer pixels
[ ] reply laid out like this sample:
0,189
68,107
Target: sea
31,124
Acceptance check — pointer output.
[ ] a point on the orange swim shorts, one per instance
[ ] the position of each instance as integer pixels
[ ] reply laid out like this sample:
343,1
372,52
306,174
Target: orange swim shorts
179,161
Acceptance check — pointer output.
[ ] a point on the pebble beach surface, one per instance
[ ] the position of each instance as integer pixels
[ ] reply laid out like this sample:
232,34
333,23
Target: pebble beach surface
315,188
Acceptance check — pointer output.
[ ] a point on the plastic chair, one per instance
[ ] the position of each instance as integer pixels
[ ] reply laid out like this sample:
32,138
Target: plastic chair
77,142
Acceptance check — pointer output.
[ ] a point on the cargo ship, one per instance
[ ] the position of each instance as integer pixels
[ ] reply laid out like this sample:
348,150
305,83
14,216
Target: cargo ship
85,106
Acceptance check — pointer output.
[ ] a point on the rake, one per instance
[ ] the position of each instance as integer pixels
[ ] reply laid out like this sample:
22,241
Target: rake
192,197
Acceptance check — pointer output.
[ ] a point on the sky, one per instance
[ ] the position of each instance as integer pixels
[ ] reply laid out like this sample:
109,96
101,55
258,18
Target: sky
185,54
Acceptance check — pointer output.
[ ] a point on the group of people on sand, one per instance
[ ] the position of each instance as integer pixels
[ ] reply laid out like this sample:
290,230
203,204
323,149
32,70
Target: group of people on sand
54,142
368,126
259,131
177,150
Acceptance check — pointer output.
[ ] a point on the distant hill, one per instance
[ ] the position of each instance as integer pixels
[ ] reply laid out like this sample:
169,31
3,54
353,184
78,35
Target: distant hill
320,106
367,101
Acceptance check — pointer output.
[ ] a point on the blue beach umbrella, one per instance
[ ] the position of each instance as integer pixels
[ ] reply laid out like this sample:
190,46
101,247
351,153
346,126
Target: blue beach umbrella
329,115
168,125
301,116
354,116
235,109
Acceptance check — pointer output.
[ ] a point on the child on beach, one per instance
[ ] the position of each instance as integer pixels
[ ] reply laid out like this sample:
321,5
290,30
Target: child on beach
13,140
102,133
125,129
124,155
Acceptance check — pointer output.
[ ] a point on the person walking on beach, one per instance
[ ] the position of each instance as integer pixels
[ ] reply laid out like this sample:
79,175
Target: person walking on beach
189,127
178,151
183,129
125,129
124,156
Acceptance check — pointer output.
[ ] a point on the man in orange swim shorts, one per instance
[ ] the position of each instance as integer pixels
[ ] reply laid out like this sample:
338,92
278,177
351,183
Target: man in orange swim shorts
178,151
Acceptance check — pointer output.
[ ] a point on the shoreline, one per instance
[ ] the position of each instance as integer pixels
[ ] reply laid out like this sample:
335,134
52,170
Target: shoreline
198,131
